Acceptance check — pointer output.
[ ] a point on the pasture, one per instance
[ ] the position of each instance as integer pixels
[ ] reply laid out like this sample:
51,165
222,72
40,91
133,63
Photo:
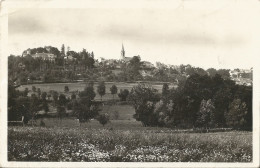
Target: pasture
122,145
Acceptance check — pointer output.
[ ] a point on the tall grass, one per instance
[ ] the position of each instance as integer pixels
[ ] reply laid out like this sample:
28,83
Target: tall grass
85,144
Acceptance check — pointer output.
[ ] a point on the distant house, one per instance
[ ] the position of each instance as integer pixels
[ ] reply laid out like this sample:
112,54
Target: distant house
242,76
45,56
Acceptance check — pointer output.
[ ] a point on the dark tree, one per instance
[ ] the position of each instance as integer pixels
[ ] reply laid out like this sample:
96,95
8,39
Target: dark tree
43,96
55,96
85,108
66,89
26,91
212,72
33,88
143,98
113,90
235,117
62,100
39,92
165,90
204,116
101,89
123,94
103,119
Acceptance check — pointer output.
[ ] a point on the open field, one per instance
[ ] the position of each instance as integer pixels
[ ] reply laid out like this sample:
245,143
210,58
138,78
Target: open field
59,87
102,144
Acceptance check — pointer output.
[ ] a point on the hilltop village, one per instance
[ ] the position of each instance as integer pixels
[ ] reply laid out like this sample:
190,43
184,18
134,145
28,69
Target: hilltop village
49,64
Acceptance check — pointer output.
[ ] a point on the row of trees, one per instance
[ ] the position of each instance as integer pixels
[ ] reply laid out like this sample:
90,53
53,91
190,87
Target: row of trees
202,101
82,106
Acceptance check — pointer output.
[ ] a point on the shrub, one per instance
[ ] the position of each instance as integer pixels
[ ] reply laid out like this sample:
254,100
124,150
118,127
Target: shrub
103,119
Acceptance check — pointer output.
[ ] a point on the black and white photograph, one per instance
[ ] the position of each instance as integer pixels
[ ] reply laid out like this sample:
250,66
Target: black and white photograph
133,83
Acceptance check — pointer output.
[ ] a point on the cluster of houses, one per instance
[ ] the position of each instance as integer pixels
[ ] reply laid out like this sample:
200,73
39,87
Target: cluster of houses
242,76
46,55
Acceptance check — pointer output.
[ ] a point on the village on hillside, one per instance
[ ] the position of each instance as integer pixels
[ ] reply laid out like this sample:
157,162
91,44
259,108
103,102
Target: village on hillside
79,66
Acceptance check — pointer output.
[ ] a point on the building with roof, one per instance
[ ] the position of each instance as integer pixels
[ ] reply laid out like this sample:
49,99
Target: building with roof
45,56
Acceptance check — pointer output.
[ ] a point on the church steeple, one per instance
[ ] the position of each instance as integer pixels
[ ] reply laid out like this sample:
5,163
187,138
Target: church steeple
123,52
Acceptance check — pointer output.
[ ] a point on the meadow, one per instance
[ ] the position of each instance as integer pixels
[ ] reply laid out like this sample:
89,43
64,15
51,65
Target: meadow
121,145
123,139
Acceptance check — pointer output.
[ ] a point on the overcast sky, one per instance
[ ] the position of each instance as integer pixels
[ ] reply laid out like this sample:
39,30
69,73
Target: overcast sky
221,36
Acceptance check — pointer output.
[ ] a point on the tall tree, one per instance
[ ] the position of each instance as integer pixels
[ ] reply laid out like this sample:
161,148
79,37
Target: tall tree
143,98
222,99
235,117
101,89
85,108
63,49
205,114
113,90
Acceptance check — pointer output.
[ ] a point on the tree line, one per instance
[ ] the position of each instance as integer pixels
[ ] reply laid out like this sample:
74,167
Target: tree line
201,102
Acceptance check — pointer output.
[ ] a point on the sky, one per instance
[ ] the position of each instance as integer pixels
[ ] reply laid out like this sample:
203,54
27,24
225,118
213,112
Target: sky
218,35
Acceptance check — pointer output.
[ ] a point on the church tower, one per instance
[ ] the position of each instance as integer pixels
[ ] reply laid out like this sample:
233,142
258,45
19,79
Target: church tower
123,52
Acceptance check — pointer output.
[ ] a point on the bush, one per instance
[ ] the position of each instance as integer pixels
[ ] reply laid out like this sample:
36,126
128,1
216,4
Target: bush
103,119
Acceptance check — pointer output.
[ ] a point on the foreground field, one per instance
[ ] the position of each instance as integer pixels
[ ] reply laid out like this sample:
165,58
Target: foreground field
86,144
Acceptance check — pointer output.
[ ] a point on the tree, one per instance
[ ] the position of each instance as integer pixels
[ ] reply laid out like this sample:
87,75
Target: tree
62,100
34,106
113,90
66,89
212,72
33,88
61,112
101,89
205,114
224,73
165,90
43,96
39,92
143,97
103,119
221,99
55,96
86,108
123,94
26,91
235,117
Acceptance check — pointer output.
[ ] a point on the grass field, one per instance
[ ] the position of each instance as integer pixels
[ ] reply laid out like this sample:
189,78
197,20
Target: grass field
133,145
123,139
